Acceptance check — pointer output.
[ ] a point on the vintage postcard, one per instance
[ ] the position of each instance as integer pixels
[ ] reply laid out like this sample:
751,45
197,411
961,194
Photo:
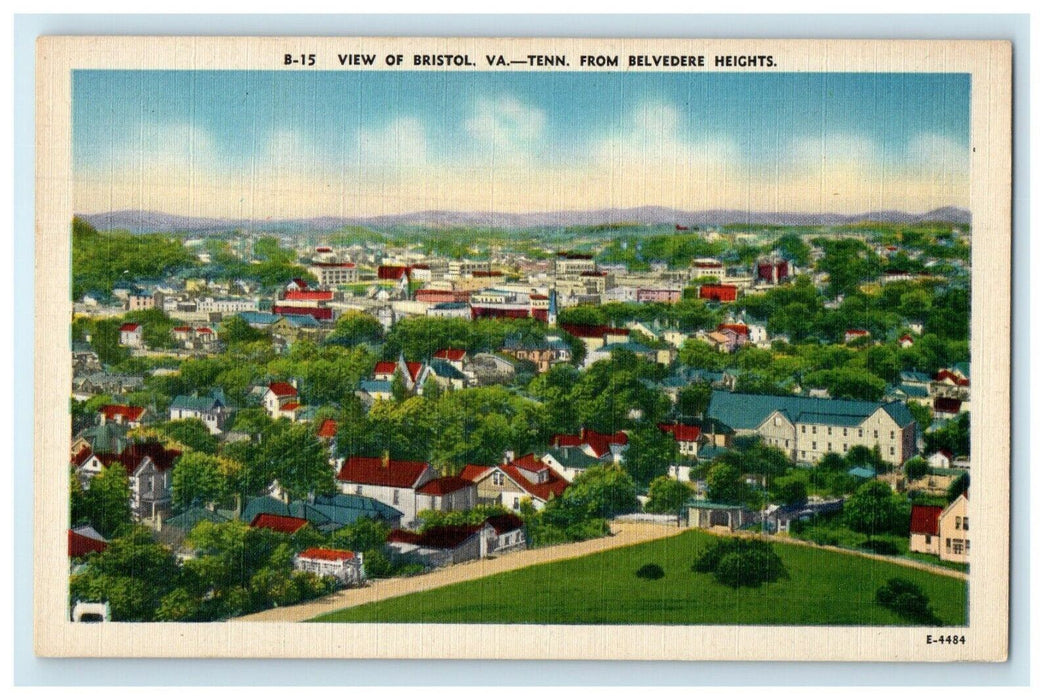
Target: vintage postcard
522,348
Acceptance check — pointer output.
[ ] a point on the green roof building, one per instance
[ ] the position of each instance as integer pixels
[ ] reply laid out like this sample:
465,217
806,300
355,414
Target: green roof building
808,428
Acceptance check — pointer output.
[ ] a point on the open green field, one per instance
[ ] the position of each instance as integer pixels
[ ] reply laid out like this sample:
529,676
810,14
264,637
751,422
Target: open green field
824,588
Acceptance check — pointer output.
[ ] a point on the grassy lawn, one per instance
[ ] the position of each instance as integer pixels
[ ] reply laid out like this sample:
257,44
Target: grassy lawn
824,588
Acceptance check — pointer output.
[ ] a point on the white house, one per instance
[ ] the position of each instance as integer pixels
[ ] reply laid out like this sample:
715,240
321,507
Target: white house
393,482
210,410
278,397
348,568
131,335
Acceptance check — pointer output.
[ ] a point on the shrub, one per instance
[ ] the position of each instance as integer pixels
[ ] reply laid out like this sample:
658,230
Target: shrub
908,600
650,571
739,562
879,545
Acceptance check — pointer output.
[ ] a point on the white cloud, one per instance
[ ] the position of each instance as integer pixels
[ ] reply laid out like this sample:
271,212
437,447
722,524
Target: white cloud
506,128
179,148
401,143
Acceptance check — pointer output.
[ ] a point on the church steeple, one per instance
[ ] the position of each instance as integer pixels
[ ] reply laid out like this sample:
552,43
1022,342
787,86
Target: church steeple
552,307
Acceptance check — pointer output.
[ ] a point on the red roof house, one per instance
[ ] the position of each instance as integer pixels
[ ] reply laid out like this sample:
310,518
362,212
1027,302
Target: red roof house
122,414
924,520
450,355
327,429
283,389
380,471
84,541
682,433
327,554
279,523
444,485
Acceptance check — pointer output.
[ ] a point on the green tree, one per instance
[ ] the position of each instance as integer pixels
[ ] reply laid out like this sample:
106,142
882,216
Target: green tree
790,490
916,468
355,327
599,492
105,341
875,510
668,495
294,456
133,574
363,535
695,399
198,478
651,451
737,562
908,600
191,433
725,484
234,330
958,487
106,504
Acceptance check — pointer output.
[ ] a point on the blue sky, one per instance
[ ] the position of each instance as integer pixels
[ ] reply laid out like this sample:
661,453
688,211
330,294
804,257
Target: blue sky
269,143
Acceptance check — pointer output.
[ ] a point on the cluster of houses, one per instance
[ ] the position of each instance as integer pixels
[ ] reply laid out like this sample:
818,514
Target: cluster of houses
806,428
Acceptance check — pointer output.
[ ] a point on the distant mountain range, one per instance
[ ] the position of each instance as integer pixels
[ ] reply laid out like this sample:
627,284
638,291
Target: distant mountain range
152,221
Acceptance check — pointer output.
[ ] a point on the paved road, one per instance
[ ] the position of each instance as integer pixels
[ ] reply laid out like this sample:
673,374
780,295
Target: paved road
624,535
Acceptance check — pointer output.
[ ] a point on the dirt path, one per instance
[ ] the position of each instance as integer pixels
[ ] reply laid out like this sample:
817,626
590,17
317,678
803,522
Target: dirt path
901,561
624,535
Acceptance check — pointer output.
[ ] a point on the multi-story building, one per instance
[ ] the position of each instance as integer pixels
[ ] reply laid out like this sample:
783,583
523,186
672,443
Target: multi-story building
808,428
331,274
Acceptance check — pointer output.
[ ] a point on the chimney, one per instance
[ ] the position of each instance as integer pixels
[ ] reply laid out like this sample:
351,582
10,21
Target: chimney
509,456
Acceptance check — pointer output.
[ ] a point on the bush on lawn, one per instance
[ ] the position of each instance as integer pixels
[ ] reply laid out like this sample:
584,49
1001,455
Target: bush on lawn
739,562
650,571
879,545
908,600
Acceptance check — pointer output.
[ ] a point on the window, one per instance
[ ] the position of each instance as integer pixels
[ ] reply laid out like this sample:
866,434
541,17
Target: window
830,430
844,447
948,543
861,432
892,435
830,447
875,434
959,522
844,432
498,478
813,445
515,504
892,450
395,499
965,524
358,490
928,539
